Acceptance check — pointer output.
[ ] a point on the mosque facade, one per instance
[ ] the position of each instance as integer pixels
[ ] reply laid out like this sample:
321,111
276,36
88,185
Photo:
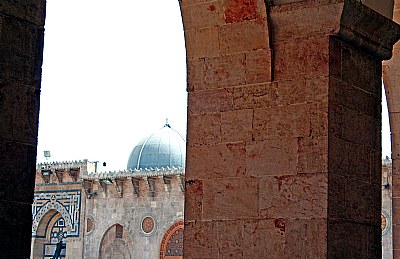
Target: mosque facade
133,213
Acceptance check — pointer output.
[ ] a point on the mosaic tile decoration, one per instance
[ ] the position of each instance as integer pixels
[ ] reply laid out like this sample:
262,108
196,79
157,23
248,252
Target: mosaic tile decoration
67,203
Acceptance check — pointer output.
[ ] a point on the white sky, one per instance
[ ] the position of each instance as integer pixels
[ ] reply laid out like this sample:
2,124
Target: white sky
113,71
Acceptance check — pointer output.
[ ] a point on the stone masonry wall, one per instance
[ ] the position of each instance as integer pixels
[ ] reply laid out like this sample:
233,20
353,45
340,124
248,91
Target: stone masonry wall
21,46
279,119
107,208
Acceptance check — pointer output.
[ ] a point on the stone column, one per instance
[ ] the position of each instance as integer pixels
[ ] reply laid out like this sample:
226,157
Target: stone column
21,46
391,77
284,150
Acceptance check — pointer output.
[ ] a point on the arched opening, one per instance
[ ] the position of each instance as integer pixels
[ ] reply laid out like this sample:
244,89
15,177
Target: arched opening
172,242
116,244
52,229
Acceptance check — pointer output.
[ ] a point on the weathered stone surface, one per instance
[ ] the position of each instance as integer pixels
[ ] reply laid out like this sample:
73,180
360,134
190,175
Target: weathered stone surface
301,196
258,66
202,43
236,126
294,59
271,157
200,236
255,96
230,198
225,71
242,36
204,129
230,154
202,15
282,122
209,101
32,11
240,10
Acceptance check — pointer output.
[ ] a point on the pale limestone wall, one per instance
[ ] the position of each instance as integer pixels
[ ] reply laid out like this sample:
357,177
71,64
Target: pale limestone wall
107,209
387,209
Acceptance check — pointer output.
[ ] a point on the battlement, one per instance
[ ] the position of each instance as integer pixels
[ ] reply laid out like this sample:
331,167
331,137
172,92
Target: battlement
152,172
148,181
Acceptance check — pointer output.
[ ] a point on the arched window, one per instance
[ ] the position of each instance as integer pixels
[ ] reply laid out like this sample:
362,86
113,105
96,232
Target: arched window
172,242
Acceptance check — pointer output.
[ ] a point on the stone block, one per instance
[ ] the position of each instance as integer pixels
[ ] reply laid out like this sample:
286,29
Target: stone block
24,101
237,125
294,196
204,129
230,198
395,216
305,24
21,51
254,96
202,15
243,36
196,74
396,240
14,231
225,71
209,101
194,2
354,98
240,10
312,155
299,91
271,157
306,238
223,160
349,159
363,201
263,239
17,169
194,200
352,240
231,234
32,11
319,119
200,239
355,127
297,58
337,196
290,121
356,62
258,66
201,43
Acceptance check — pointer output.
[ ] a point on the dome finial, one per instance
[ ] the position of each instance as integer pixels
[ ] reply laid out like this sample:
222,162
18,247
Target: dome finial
166,123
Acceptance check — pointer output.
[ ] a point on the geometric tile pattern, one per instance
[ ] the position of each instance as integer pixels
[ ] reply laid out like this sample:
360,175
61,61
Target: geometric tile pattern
67,203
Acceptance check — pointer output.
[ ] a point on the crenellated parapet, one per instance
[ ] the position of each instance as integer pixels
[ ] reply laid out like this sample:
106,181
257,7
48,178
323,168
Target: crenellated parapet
65,171
138,183
146,182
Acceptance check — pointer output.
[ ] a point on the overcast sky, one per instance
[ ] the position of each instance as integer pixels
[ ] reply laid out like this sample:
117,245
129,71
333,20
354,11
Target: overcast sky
113,71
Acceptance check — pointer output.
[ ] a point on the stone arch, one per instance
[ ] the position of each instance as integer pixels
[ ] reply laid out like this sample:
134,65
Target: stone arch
172,242
115,246
44,229
50,206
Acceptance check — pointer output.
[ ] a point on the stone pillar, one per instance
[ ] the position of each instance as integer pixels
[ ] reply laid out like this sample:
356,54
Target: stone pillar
284,150
21,46
391,77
